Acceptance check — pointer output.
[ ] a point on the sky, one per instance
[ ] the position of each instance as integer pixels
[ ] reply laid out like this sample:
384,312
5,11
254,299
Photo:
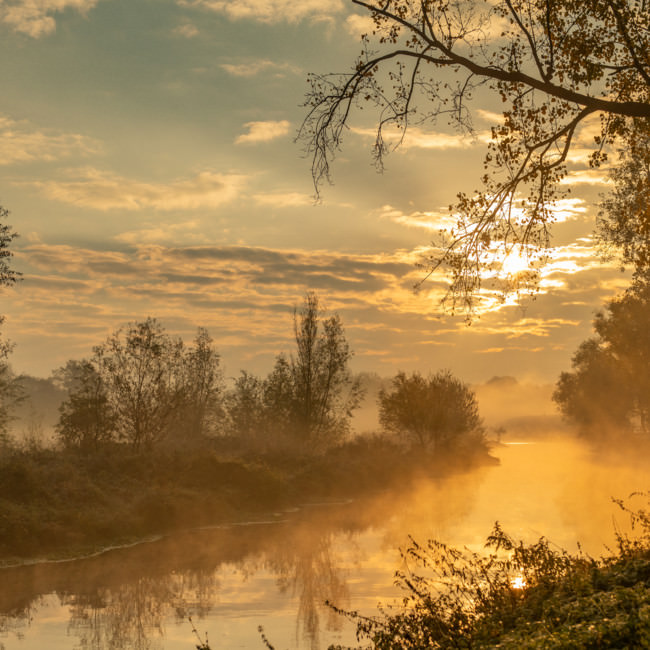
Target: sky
148,158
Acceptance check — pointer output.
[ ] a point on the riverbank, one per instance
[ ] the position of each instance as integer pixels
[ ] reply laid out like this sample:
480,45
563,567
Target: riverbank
519,596
57,504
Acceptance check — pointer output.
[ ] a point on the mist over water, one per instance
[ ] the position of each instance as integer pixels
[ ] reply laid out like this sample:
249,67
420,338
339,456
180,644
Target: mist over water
279,572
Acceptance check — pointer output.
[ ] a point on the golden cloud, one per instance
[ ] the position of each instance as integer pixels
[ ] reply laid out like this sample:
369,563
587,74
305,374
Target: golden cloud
252,68
20,143
269,11
102,190
35,17
263,131
415,138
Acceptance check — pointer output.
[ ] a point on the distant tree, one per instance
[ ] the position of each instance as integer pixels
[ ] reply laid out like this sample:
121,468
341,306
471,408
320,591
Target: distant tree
201,397
279,397
608,390
552,64
142,386
11,393
41,404
86,417
315,388
142,370
325,391
433,413
245,408
8,276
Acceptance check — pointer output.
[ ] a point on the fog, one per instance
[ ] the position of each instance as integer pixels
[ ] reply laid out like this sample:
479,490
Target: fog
279,571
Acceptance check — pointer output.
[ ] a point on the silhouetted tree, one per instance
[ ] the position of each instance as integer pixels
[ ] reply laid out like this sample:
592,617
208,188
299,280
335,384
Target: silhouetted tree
86,418
12,393
142,386
624,219
142,370
315,389
245,407
309,396
433,413
325,391
200,409
279,398
10,389
552,63
8,276
608,390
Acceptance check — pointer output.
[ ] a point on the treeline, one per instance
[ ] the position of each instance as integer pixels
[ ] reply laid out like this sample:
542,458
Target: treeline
145,388
150,438
607,393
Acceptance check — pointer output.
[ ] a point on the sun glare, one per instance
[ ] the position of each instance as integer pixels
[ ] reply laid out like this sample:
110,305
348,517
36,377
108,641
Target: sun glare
515,263
518,582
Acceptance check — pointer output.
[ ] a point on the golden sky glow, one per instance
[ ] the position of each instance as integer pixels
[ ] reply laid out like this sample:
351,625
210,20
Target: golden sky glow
147,158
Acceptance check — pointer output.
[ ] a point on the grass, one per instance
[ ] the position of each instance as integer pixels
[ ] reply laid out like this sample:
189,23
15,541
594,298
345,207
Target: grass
66,502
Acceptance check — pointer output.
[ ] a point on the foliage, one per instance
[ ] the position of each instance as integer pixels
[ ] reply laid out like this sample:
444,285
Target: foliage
141,368
554,65
11,392
245,408
309,396
140,387
609,388
518,596
200,411
624,219
324,393
433,413
86,417
69,499
8,276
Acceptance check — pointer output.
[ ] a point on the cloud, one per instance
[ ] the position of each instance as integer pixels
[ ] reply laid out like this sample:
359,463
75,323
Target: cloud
567,209
245,295
284,200
158,273
429,220
253,68
418,139
35,17
586,177
186,30
490,116
270,11
165,233
20,142
263,131
356,24
105,191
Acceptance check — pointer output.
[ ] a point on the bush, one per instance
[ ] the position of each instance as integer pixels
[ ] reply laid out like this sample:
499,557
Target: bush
432,413
518,596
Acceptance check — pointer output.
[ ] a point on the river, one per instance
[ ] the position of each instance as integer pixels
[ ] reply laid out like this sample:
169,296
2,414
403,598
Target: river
277,573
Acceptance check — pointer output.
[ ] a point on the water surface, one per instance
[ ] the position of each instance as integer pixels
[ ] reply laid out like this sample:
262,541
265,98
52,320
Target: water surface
279,572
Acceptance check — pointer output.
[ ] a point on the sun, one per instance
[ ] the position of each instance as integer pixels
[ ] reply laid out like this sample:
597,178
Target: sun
515,263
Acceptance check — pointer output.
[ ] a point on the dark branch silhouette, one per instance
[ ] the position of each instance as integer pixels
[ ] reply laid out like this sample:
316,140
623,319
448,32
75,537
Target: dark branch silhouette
553,63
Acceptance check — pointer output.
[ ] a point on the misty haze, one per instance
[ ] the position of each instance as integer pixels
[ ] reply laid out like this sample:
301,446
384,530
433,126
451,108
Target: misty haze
325,324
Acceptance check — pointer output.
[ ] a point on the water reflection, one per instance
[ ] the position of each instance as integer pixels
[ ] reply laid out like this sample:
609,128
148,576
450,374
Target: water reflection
309,570
128,598
279,573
